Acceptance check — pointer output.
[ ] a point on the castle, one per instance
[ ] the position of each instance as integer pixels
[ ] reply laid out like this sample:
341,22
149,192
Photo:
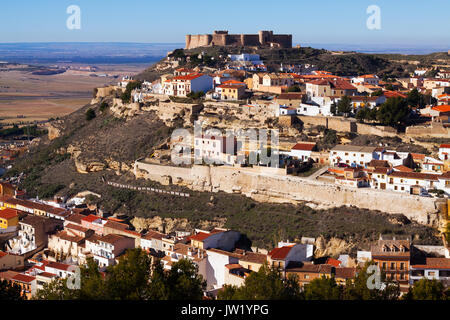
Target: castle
222,38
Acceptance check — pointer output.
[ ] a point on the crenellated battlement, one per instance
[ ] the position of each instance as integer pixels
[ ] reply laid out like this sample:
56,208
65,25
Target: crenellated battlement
223,38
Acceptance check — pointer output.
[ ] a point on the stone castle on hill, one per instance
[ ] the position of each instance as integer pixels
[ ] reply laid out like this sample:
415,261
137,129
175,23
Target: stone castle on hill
222,38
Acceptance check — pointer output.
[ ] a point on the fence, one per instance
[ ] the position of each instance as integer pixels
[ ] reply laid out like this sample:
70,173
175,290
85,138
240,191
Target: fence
148,189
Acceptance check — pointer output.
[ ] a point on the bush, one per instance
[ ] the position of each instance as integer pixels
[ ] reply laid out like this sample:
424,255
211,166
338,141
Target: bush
90,114
103,106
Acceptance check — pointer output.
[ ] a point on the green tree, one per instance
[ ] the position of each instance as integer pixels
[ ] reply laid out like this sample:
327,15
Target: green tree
126,95
361,115
413,97
333,109
130,278
56,290
357,288
294,88
103,106
266,284
377,93
183,282
10,291
426,289
393,112
344,106
90,114
323,289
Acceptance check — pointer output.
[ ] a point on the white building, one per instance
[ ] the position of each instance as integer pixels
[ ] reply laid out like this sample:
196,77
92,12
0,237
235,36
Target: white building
433,269
366,79
444,152
109,247
246,57
302,150
411,182
181,86
444,182
217,149
353,155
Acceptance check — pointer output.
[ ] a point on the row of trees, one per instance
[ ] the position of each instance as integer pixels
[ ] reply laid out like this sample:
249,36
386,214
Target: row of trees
136,278
392,113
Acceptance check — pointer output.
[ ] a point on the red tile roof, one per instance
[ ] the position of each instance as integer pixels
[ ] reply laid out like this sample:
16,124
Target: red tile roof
434,263
442,108
188,77
304,146
414,175
90,218
393,94
8,213
201,236
57,265
2,254
403,168
280,253
23,278
333,262
444,146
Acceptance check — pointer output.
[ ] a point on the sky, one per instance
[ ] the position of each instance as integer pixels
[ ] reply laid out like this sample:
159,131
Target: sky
403,23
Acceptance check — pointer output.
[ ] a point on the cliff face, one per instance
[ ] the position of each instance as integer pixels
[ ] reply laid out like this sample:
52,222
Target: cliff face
273,187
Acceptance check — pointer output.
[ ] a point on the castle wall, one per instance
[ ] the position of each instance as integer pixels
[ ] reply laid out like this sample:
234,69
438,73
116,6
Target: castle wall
222,38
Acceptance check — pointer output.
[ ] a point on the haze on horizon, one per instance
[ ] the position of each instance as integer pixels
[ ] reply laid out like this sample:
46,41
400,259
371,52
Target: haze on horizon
403,23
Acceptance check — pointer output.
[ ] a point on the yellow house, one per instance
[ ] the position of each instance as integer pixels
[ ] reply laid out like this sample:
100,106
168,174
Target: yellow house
232,92
9,220
7,189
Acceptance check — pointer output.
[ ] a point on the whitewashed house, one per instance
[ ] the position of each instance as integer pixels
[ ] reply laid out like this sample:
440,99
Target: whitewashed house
352,155
444,152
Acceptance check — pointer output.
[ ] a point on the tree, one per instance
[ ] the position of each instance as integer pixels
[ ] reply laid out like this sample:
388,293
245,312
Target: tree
183,282
10,291
266,284
103,106
294,88
413,97
56,290
357,288
90,114
361,115
130,278
344,106
323,289
333,109
132,85
196,95
377,93
393,112
426,289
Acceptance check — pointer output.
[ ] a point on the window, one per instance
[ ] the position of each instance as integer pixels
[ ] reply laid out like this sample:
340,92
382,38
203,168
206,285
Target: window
392,265
402,266
384,265
306,276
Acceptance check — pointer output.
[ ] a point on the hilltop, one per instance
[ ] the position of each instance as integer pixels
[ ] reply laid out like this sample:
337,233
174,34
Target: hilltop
339,63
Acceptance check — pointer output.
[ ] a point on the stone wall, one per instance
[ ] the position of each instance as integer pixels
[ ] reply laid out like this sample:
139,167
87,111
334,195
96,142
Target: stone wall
262,185
436,130
348,125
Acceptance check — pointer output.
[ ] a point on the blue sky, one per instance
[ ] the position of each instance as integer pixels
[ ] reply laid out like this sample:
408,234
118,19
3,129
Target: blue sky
324,21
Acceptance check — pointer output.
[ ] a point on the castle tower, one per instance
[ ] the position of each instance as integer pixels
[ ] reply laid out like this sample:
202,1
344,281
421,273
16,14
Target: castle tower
188,41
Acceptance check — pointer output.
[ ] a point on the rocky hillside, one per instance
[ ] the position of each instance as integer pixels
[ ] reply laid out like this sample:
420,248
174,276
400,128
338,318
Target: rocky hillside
347,63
